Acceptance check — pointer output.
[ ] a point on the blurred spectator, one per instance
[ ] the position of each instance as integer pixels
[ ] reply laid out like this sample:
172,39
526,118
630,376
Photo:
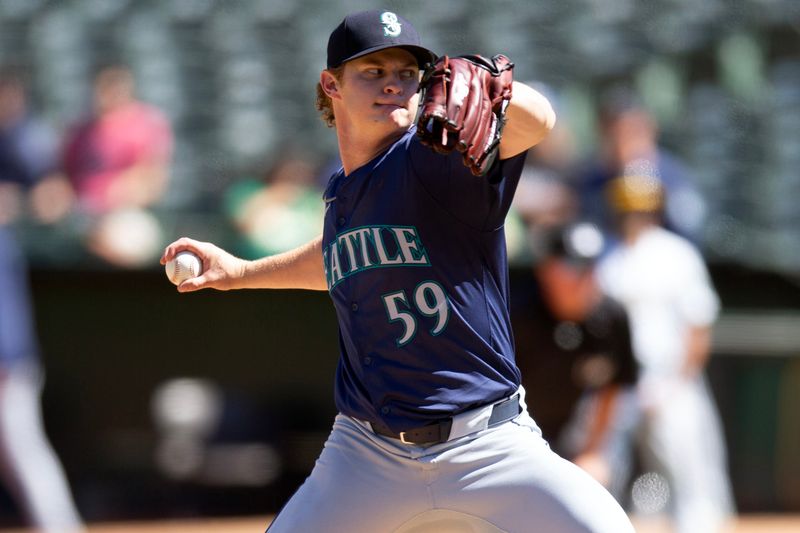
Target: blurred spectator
544,200
662,281
280,212
28,158
119,156
558,152
30,469
118,162
628,133
574,353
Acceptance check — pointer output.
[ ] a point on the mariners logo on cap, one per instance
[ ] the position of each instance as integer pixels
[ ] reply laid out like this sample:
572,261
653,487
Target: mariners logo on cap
391,26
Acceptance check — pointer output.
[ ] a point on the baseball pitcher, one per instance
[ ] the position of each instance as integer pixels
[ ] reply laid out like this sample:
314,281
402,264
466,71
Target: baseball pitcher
432,432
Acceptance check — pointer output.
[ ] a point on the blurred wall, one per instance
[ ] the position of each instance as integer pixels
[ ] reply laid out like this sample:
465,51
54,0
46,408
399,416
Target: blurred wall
111,338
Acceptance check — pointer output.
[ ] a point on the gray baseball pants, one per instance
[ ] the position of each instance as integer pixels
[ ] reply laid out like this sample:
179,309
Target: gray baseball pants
500,479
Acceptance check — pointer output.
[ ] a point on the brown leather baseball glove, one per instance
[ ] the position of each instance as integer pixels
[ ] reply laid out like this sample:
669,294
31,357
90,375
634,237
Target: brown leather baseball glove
463,107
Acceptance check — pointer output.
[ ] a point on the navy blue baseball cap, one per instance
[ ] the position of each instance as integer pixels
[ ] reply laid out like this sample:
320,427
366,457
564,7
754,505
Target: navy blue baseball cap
366,32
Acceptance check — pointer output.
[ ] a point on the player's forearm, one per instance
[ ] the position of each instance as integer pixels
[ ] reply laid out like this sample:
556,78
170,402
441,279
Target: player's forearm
529,118
698,349
300,268
606,399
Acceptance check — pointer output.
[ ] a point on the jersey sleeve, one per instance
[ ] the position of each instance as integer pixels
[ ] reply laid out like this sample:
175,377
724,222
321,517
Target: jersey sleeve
697,300
479,202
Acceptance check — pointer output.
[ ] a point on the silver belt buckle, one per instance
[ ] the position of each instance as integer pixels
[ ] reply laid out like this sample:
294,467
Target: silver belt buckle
403,438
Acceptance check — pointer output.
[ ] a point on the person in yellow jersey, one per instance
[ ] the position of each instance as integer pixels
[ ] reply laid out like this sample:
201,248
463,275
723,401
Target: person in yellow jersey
662,281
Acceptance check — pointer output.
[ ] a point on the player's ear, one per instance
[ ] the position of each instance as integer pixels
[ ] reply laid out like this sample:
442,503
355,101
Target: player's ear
330,85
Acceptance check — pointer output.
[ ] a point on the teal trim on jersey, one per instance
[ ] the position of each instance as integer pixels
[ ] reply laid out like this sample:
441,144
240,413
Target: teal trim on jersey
435,313
351,245
412,328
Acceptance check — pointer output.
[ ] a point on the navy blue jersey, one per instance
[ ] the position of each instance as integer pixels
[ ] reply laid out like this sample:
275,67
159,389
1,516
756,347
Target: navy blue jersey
416,265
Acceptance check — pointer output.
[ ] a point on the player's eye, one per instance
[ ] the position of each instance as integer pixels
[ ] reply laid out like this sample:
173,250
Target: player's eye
408,74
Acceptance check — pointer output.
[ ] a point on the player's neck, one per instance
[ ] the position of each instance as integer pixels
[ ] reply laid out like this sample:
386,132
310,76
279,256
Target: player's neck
636,225
357,148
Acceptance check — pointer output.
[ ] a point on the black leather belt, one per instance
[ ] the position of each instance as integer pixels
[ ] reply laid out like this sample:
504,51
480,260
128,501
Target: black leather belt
438,432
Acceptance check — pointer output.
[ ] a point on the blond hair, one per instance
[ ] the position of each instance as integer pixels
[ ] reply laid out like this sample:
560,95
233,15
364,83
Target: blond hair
324,104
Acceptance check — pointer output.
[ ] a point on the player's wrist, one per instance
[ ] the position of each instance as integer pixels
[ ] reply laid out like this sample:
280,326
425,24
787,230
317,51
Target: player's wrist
241,271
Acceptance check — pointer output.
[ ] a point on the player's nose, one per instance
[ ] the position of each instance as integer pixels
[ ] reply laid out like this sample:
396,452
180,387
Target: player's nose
393,88
394,84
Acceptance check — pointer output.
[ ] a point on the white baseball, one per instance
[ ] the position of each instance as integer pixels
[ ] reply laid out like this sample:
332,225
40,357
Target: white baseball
185,265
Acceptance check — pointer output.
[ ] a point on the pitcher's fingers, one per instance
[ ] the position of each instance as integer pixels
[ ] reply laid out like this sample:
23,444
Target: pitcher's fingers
184,243
190,285
203,281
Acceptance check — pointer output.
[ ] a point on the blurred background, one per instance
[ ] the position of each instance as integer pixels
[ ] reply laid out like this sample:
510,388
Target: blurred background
212,404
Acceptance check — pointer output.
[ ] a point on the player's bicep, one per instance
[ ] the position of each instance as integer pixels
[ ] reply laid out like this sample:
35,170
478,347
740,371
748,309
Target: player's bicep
529,118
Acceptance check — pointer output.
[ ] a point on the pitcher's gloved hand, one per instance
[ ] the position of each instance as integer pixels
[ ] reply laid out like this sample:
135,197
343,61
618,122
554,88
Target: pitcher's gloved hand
463,106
